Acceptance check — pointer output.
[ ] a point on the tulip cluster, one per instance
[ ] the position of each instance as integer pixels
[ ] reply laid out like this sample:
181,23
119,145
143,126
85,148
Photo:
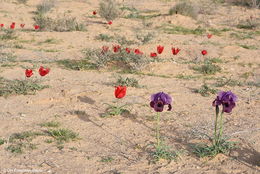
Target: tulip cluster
42,71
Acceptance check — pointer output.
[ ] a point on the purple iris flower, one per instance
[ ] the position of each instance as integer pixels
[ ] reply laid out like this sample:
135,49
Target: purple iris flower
160,99
227,100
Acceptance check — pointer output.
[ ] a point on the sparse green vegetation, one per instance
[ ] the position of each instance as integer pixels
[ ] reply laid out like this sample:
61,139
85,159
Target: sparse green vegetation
107,159
207,68
145,38
186,77
50,124
19,87
2,141
204,150
19,142
8,34
104,37
121,59
62,135
77,65
121,81
205,90
224,81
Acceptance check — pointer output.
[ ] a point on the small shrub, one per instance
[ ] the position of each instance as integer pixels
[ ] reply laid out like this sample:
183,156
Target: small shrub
122,60
61,24
109,10
45,6
185,9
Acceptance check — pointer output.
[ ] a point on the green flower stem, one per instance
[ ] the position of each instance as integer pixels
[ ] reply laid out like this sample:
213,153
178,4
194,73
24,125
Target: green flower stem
220,127
158,130
216,126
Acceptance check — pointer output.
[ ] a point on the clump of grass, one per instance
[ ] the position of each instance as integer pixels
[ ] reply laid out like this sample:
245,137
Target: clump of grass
19,87
224,81
45,6
109,10
204,150
107,159
50,124
22,1
121,81
104,37
185,8
207,68
205,90
8,34
18,142
163,152
77,65
62,135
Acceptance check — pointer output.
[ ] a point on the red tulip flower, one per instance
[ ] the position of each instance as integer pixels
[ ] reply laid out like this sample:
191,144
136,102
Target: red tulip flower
94,12
36,27
204,52
2,25
12,26
153,54
175,51
128,50
22,25
160,49
28,73
137,51
120,91
105,49
110,23
209,36
116,48
43,71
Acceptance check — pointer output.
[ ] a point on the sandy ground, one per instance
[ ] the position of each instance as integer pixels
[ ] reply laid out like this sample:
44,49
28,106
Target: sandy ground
76,98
